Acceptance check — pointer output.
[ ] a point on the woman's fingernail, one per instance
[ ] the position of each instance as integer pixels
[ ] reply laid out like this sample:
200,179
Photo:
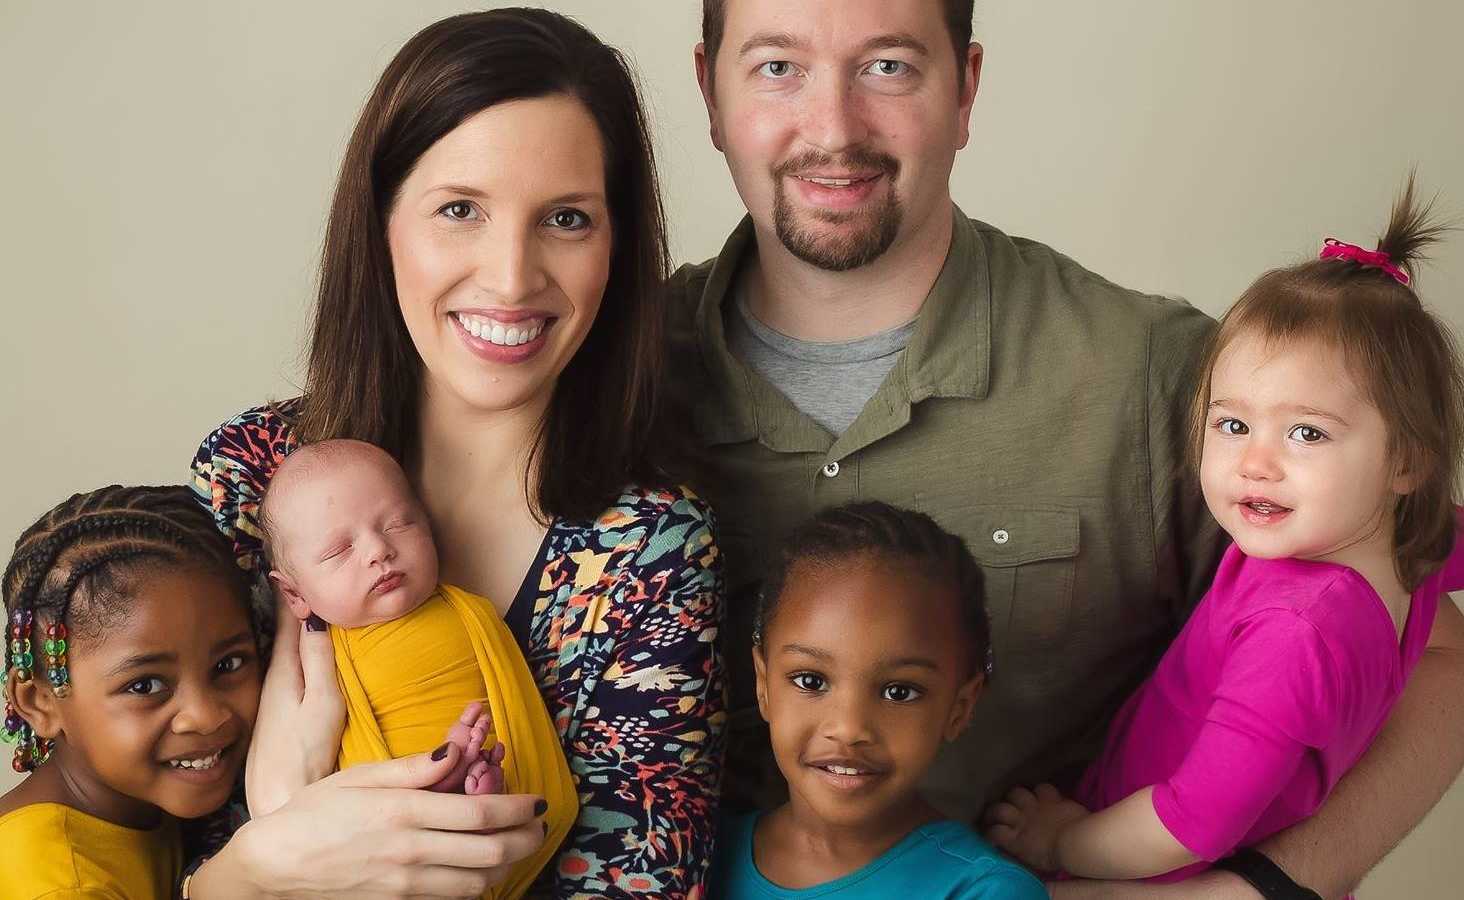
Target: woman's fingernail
314,623
440,753
541,807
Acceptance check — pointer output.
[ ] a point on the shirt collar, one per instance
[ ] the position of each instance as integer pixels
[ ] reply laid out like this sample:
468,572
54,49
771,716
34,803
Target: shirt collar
949,353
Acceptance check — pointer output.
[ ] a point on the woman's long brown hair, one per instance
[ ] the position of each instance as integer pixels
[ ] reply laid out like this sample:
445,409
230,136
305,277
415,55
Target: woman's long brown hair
603,429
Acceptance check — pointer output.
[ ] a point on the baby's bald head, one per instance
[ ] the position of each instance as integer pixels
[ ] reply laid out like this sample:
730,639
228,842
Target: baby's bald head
347,538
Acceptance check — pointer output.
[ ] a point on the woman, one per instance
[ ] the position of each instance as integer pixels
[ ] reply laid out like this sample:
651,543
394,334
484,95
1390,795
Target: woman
489,314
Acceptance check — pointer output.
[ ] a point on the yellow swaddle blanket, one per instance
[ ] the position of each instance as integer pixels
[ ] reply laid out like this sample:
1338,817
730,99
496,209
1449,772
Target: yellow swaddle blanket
406,682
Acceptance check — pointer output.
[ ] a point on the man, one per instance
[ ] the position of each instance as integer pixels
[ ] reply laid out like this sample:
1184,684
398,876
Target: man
860,337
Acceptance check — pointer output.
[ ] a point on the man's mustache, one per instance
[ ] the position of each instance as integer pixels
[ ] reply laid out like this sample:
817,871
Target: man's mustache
858,159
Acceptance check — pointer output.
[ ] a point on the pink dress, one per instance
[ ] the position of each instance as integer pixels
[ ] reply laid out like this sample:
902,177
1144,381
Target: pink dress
1274,688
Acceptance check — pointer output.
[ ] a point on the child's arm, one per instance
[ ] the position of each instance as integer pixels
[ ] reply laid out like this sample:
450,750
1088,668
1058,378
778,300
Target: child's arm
1051,834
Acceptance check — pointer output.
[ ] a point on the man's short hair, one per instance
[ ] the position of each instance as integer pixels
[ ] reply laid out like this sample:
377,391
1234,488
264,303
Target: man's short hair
958,15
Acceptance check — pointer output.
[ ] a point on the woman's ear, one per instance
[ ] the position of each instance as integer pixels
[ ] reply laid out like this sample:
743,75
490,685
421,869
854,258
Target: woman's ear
963,706
35,702
284,585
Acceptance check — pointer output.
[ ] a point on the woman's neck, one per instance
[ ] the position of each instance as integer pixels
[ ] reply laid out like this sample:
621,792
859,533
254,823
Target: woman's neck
70,782
461,452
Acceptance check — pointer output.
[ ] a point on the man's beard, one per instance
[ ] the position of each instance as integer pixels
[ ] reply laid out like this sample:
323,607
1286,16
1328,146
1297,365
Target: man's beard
838,252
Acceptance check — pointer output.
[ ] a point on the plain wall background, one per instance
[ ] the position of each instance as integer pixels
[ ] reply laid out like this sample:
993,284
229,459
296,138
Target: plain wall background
167,168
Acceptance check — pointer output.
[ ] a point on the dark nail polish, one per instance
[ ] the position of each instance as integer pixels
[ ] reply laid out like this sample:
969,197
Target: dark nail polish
541,807
314,623
440,753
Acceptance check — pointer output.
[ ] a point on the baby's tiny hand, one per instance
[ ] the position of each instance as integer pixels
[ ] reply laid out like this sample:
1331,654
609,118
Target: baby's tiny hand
1028,823
477,771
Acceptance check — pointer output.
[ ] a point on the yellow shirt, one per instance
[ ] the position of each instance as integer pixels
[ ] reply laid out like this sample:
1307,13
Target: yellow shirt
406,681
53,851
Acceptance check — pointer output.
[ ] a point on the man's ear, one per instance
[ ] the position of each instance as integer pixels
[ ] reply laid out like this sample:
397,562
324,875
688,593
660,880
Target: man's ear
284,585
963,706
35,702
760,666
704,80
970,81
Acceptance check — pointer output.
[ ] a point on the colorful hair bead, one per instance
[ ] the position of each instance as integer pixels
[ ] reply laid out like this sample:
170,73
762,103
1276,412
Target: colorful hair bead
55,648
30,751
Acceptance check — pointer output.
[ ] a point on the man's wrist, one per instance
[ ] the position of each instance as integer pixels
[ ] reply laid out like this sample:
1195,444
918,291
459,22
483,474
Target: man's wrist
1268,879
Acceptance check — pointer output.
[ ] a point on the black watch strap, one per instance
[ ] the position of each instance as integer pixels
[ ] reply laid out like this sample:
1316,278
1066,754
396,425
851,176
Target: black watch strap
1265,876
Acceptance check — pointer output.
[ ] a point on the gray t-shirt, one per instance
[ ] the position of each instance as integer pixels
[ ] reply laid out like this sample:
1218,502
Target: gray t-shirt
829,382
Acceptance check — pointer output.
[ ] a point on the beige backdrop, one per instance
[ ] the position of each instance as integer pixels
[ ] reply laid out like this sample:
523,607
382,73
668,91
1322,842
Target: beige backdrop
167,167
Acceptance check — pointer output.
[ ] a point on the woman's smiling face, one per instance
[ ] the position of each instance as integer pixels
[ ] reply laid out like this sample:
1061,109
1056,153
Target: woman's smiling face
500,241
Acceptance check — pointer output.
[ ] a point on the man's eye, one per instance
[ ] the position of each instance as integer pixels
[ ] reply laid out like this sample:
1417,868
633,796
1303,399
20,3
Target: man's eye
777,68
1231,427
1307,434
901,693
807,681
889,67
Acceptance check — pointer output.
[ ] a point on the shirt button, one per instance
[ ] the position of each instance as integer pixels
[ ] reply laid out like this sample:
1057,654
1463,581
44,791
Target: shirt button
831,470
1000,536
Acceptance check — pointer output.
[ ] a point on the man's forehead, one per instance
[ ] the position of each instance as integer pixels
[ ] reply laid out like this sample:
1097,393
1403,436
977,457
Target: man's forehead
829,24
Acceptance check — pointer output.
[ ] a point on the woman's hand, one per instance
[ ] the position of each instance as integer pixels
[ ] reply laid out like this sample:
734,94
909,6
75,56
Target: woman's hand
297,735
372,831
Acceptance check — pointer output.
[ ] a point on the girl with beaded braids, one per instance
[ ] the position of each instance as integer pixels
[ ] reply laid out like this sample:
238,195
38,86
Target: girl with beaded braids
871,646
131,681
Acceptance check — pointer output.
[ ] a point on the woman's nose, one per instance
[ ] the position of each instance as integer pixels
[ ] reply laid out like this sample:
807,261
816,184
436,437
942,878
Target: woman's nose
510,265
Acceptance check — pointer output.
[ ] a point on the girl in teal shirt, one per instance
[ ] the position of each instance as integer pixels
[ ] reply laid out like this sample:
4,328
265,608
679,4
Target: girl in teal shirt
871,647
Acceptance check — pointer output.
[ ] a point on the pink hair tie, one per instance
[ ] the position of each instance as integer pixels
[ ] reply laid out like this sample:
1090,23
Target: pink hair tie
1375,259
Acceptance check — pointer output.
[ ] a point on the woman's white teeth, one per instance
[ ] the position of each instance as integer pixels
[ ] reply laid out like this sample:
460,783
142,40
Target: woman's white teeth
843,770
206,762
497,333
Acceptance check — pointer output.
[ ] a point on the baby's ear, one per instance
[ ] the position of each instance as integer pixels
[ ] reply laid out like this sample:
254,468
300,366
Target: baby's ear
284,585
964,706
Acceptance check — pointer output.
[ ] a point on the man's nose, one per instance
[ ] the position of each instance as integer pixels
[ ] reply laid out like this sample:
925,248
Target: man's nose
834,118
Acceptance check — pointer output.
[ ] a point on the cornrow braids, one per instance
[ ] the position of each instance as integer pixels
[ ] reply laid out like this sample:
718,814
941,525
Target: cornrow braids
900,535
86,542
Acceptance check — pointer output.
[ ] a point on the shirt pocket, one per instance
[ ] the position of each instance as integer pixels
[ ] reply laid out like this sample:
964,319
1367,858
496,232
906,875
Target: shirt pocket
1027,555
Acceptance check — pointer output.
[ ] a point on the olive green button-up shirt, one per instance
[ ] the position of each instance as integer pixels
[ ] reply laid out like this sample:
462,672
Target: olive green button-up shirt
1038,412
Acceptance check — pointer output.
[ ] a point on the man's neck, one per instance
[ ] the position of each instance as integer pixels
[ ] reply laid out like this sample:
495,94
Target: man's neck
812,304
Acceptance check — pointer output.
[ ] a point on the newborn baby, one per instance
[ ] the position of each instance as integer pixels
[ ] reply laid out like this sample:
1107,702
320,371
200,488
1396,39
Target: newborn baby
349,542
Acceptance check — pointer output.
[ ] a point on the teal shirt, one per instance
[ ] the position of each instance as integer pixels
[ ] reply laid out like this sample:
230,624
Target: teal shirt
941,861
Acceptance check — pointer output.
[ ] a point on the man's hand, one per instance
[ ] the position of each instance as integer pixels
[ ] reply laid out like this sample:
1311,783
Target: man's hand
1028,824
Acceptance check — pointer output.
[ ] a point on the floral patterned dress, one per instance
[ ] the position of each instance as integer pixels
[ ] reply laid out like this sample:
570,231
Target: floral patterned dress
623,645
